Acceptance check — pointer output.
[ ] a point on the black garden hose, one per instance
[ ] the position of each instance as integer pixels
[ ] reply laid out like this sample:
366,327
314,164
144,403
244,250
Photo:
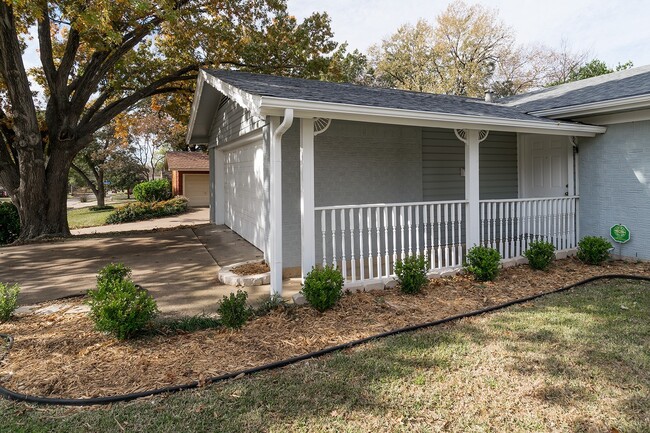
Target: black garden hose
11,395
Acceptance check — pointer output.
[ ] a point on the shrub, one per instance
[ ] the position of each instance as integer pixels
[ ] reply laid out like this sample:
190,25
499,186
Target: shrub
483,263
540,254
153,190
101,208
8,300
270,303
144,211
117,305
9,223
411,274
593,250
233,310
323,287
186,324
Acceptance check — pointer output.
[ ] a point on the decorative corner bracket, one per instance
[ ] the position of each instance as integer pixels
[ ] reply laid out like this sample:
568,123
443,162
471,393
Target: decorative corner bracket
321,124
573,140
461,134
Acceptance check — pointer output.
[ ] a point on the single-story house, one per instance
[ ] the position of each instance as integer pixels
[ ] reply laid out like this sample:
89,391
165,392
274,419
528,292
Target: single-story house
190,172
316,173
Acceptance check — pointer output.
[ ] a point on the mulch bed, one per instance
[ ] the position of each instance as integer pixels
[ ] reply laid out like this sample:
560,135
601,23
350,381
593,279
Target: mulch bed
63,356
251,268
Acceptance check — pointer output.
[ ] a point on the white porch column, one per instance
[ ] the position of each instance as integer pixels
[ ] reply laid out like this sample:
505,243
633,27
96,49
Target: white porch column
473,218
308,223
219,176
275,214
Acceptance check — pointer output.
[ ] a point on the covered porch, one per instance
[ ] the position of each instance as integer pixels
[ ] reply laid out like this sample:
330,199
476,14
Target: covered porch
503,192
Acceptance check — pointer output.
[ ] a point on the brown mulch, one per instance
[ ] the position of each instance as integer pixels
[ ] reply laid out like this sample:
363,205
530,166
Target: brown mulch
63,356
251,268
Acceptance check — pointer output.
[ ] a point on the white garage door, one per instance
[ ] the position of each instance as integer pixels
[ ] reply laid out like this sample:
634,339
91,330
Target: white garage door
244,192
196,187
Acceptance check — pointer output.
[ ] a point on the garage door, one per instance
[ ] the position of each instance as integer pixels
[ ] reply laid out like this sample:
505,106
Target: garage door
244,192
196,187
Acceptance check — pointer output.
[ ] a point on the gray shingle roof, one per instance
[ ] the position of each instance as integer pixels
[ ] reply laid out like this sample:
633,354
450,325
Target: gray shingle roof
340,93
622,84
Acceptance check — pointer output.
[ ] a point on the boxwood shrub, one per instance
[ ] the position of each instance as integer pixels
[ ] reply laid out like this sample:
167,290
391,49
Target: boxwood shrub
540,254
8,300
411,274
118,306
9,223
483,263
233,310
323,287
593,250
153,190
139,211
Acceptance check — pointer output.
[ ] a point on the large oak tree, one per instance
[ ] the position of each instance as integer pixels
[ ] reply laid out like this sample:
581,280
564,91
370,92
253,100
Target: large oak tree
98,58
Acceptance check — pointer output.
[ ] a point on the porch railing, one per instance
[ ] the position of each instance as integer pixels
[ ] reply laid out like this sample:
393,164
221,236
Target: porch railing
365,241
510,225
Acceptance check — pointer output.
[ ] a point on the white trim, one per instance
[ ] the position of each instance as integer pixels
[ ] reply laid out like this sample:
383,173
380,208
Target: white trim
243,140
472,188
275,214
521,200
374,205
246,100
303,108
307,200
219,186
614,118
621,104
194,109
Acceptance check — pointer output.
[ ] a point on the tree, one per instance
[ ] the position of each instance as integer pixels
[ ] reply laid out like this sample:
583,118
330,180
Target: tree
591,69
100,58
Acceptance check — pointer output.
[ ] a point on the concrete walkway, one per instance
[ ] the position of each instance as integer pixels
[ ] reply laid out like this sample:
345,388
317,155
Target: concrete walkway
195,217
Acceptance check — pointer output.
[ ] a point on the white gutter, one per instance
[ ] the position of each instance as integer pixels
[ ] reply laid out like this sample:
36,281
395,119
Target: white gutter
275,213
273,106
621,104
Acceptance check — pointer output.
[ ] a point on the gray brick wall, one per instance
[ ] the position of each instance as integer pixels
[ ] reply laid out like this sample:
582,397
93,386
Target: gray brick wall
615,185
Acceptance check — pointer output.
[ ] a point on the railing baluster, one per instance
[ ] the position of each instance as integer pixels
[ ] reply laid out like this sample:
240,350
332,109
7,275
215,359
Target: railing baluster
425,238
323,227
410,229
344,263
333,217
378,234
362,258
453,234
353,263
371,272
439,224
460,231
401,221
445,217
417,231
394,224
387,253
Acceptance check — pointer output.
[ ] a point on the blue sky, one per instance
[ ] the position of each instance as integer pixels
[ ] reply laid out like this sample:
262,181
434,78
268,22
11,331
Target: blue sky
613,31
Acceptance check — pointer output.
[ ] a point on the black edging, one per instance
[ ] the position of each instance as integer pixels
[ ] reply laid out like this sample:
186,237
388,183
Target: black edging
11,395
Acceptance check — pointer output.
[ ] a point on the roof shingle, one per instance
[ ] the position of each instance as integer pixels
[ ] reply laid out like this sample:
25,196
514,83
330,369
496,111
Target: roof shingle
194,161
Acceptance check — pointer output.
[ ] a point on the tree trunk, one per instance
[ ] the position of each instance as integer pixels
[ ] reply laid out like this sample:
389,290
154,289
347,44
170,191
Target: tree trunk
101,189
43,196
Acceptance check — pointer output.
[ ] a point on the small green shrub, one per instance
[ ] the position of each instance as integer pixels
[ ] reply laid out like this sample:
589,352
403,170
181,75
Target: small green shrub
153,190
540,254
233,310
186,324
411,274
101,208
9,223
143,211
8,300
118,306
270,303
593,250
323,287
483,263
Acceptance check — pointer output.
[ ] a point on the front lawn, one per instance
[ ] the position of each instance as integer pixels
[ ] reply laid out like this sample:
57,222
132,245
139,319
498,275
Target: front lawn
86,217
572,362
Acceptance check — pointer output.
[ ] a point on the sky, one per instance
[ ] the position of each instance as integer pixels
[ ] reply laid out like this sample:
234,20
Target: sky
612,31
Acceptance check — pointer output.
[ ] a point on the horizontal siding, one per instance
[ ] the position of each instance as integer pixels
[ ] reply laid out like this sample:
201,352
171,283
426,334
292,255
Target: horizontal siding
232,121
443,156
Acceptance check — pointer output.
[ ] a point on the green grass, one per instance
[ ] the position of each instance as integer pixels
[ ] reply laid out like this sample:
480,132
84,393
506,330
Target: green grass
572,362
85,217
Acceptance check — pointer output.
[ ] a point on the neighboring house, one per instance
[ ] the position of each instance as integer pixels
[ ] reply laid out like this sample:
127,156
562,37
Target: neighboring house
190,176
316,173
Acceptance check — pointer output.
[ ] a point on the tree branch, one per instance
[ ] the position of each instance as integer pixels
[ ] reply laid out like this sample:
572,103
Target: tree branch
85,177
45,48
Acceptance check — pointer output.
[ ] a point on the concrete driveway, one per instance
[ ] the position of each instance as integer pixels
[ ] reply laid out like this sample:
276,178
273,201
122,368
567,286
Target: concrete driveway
173,265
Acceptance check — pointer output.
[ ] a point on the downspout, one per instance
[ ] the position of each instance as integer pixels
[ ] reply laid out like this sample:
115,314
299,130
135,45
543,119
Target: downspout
276,202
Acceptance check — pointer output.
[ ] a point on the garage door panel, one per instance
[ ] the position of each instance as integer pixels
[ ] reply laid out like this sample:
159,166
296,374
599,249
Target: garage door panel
244,192
196,187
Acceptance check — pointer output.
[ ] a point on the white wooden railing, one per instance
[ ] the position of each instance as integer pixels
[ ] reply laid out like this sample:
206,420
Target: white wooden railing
510,225
365,241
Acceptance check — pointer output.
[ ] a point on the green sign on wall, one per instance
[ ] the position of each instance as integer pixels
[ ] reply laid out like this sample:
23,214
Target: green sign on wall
620,233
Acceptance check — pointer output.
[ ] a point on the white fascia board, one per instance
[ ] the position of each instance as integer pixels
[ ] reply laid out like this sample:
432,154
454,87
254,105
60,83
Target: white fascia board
246,100
195,108
272,106
612,105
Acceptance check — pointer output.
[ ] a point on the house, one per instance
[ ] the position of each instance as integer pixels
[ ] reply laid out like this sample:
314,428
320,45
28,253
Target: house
315,173
190,173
